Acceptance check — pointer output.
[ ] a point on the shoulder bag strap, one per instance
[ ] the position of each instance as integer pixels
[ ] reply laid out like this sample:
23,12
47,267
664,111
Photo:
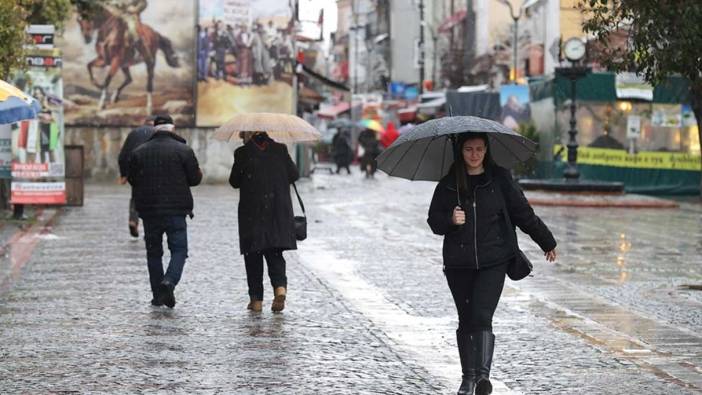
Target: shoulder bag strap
299,200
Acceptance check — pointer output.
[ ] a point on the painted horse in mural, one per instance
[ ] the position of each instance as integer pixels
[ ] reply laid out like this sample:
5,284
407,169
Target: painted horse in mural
118,49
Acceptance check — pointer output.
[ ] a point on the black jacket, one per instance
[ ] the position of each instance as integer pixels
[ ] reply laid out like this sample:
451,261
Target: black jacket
265,208
485,239
134,139
161,172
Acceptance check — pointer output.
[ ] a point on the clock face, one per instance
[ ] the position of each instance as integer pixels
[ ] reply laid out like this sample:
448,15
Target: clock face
574,49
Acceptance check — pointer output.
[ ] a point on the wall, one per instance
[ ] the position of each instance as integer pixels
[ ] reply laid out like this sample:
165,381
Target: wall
102,145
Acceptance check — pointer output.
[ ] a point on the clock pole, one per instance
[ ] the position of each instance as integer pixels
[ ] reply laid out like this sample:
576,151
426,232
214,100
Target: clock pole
572,73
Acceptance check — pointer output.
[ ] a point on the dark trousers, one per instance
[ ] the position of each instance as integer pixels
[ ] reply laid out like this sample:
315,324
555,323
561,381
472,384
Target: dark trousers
133,214
254,271
175,228
476,293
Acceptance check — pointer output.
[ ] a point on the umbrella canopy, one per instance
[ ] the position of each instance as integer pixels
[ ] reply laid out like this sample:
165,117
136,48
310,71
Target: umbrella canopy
341,123
16,106
281,127
426,152
372,124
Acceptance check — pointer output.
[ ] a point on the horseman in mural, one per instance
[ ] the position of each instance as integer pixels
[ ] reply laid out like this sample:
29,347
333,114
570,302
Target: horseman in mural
122,41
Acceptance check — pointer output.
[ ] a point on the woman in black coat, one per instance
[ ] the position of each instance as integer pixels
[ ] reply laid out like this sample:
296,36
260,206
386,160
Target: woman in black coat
263,171
469,209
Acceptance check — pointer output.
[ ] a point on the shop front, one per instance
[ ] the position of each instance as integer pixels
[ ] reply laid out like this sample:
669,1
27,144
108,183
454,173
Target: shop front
644,137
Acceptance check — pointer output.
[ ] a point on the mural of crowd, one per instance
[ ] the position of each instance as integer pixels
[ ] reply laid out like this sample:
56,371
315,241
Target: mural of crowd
242,55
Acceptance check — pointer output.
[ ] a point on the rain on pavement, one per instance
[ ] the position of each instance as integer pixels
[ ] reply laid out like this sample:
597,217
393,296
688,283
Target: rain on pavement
368,309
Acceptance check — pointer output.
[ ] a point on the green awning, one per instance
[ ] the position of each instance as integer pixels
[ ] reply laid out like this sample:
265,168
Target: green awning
601,87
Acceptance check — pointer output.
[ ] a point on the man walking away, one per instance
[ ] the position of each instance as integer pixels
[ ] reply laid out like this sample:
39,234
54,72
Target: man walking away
134,139
161,172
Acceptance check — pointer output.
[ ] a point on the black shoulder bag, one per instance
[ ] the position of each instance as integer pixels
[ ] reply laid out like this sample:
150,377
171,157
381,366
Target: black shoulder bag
520,266
300,221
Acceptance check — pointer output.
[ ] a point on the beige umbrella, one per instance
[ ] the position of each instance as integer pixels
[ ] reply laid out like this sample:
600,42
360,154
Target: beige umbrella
281,127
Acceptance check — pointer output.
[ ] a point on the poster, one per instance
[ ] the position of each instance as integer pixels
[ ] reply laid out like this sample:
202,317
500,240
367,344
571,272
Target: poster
666,115
245,58
633,127
38,160
514,101
141,51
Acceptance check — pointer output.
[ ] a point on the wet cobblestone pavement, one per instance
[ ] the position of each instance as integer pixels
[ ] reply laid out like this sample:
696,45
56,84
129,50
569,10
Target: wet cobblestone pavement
368,308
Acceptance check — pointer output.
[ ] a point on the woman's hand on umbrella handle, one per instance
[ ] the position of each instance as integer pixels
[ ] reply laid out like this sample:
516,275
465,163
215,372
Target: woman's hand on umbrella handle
458,217
551,255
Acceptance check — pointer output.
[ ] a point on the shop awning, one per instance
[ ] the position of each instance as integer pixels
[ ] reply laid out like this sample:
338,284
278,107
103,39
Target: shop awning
451,21
601,87
331,112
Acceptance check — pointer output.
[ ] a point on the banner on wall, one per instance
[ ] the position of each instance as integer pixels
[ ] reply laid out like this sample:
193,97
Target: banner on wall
150,42
641,160
632,86
38,161
245,58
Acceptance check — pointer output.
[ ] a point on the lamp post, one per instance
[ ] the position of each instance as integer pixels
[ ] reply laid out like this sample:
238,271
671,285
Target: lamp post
421,46
572,73
515,40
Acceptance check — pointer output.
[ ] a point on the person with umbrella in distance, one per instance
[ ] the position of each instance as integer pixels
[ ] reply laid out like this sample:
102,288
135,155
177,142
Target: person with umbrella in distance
475,207
263,171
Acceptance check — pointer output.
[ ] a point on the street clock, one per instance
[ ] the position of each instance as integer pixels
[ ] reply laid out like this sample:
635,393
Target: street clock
574,49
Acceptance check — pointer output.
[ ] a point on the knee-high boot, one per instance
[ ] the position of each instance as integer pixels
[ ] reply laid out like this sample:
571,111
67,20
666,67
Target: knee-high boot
466,352
484,344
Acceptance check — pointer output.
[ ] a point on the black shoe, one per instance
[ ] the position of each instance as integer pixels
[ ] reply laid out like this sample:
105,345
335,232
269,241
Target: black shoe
134,230
155,302
165,293
484,343
466,352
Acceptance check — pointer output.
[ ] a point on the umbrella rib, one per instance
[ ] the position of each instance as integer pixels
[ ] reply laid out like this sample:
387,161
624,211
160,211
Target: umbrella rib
403,156
419,162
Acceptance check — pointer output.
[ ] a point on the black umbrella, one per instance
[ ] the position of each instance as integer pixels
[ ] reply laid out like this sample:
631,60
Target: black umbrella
426,151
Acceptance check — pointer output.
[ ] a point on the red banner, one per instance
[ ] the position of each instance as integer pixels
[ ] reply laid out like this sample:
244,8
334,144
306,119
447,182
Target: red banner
38,193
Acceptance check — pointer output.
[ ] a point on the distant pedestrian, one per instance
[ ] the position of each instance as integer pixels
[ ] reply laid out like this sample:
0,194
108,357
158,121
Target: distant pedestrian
161,171
342,150
263,171
134,139
472,207
371,149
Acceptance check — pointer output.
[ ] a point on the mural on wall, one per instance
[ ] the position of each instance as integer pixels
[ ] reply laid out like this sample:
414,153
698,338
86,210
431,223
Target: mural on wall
245,58
126,59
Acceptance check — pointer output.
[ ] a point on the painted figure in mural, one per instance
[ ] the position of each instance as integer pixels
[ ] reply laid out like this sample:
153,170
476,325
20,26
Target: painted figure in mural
129,11
261,57
244,55
203,51
117,50
221,47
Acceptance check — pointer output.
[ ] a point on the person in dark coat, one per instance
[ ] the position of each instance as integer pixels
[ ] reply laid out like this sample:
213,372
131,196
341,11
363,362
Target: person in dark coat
134,139
263,171
161,172
342,150
468,208
371,149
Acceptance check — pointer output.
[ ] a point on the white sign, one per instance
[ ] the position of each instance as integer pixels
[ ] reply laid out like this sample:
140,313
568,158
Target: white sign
633,86
633,127
237,12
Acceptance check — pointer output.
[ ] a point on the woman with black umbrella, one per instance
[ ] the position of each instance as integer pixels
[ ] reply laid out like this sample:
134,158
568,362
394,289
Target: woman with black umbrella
473,207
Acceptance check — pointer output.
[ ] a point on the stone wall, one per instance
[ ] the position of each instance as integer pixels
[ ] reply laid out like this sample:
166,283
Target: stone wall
101,147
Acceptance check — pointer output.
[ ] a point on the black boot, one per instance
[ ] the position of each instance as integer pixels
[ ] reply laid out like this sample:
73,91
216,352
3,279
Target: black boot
484,344
467,354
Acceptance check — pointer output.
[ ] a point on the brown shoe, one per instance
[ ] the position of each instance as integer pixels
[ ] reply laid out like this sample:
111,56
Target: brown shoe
255,305
279,299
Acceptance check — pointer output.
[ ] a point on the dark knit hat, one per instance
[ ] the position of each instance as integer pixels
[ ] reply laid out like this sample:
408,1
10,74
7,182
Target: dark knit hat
164,119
